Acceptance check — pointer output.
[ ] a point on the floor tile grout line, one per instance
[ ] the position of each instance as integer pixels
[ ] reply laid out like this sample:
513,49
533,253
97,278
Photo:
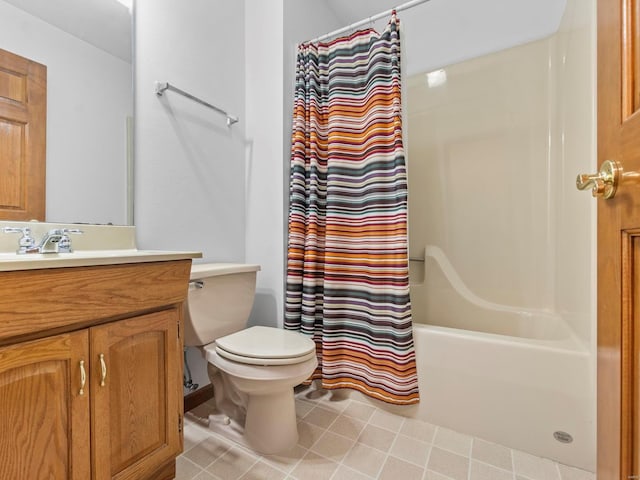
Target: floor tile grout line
297,462
213,461
229,444
454,452
338,463
491,465
433,439
469,459
319,426
355,443
446,477
197,466
393,442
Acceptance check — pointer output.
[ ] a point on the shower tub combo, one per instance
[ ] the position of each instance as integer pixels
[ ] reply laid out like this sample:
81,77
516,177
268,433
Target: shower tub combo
513,376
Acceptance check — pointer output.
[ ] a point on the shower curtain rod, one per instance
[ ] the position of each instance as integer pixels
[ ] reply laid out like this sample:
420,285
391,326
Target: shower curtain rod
364,21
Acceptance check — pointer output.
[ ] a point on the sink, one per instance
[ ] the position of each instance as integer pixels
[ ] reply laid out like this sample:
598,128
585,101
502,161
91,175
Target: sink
98,245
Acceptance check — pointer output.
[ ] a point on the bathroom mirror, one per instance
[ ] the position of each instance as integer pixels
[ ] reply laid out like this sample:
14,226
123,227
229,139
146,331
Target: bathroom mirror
86,46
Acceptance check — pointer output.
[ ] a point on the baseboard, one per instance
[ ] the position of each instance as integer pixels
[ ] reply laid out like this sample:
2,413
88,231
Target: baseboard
193,399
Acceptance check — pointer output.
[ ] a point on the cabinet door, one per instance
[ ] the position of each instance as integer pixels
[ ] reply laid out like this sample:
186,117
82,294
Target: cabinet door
136,387
44,417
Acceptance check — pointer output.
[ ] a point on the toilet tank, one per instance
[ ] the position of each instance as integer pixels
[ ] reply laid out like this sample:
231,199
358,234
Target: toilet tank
219,302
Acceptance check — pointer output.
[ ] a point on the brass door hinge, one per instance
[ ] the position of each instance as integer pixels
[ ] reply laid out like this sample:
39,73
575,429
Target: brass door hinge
179,423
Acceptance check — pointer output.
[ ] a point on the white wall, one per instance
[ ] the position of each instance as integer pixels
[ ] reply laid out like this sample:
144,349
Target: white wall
89,97
189,166
189,172
264,182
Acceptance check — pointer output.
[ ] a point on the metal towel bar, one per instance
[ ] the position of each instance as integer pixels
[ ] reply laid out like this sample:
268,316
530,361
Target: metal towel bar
161,87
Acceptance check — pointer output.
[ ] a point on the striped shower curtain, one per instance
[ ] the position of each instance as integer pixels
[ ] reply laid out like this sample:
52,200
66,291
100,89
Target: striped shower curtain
347,265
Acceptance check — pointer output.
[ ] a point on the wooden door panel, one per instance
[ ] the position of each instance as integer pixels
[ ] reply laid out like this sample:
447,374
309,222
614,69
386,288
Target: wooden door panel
13,86
138,363
629,335
12,152
44,421
630,353
23,117
619,242
135,414
631,57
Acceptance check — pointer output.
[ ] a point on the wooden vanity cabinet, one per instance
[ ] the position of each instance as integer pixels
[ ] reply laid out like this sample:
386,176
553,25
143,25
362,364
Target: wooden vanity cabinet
102,399
44,422
135,411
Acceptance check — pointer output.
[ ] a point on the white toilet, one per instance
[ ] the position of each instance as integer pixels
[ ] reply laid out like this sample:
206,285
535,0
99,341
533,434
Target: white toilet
253,370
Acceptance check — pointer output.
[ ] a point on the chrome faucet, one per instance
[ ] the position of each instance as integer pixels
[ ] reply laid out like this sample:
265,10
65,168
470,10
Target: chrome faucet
51,240
26,244
54,241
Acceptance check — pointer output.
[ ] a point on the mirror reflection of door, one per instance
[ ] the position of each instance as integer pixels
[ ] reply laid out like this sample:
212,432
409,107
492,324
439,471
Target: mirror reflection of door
23,117
86,47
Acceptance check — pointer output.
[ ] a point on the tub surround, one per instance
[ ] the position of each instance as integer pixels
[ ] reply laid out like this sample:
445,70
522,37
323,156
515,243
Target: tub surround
502,305
90,357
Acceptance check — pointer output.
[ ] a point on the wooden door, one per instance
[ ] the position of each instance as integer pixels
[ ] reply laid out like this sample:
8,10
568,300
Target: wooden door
23,121
619,242
44,419
136,397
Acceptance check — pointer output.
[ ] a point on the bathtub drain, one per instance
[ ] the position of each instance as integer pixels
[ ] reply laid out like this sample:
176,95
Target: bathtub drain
562,437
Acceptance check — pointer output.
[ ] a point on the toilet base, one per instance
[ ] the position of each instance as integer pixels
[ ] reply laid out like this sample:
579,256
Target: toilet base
270,425
228,428
265,423
260,399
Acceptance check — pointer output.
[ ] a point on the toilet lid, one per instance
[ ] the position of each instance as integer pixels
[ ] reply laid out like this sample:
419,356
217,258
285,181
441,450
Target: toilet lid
264,362
266,345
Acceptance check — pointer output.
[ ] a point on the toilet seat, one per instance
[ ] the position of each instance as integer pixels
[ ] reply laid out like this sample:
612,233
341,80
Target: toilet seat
265,373
266,346
263,361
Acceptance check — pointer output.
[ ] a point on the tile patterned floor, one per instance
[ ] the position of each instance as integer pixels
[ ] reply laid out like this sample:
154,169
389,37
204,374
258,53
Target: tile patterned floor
344,439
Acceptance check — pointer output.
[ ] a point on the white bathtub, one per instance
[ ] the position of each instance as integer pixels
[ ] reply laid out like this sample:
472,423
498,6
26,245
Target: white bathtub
509,390
508,375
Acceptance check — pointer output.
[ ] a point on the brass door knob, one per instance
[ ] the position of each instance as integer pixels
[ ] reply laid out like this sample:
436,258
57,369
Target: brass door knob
604,183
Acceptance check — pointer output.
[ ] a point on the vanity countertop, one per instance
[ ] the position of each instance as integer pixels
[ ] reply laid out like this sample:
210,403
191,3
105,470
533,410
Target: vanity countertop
94,245
85,258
